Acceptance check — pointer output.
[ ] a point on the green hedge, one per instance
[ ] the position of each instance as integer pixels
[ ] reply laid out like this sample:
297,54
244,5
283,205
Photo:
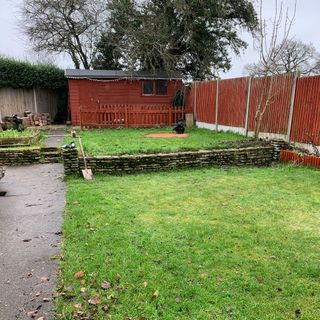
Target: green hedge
18,74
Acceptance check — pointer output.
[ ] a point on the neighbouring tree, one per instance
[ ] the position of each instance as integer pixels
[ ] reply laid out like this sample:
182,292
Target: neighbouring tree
108,55
65,26
193,37
270,49
293,56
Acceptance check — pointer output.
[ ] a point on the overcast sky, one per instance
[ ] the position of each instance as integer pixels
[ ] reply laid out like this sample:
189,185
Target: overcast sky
306,28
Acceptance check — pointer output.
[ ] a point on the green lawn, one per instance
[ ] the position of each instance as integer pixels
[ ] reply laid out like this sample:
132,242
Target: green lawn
194,244
128,141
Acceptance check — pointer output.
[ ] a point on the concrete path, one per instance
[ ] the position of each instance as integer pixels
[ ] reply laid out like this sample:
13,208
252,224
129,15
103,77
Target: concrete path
30,228
53,140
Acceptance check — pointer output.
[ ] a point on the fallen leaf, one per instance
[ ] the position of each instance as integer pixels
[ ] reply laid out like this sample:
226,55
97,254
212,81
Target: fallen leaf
189,261
155,294
44,279
118,276
111,297
78,305
41,318
32,313
177,300
37,294
79,274
229,309
83,289
105,309
85,295
105,285
145,284
69,288
82,282
260,279
94,301
118,288
108,261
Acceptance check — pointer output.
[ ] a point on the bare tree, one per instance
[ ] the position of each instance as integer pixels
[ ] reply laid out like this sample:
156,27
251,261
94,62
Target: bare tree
270,50
65,26
294,56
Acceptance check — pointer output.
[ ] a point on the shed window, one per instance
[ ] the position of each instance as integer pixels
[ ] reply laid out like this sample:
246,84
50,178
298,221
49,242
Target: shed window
161,87
148,87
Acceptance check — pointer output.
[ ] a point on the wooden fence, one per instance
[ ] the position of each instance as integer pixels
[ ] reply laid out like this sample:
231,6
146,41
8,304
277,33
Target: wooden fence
35,100
130,116
231,104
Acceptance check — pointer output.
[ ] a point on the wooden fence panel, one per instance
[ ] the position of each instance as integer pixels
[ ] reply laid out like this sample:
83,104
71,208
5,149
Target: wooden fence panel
306,116
275,119
205,101
233,94
35,100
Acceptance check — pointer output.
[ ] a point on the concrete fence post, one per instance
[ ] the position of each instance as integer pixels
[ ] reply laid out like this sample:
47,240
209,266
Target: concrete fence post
217,104
246,124
35,100
292,102
195,101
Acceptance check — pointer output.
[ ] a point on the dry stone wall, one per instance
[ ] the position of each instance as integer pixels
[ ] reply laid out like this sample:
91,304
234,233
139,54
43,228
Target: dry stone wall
245,156
257,156
19,157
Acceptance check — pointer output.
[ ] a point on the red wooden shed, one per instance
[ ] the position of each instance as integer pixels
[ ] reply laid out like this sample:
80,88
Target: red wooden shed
110,98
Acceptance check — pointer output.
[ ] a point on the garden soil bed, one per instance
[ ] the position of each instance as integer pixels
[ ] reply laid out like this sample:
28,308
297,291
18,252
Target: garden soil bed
7,141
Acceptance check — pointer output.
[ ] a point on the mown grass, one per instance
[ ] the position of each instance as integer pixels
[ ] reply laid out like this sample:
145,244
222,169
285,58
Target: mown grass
195,244
129,141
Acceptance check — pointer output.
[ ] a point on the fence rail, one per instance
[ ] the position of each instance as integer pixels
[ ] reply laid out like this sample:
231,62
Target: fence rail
130,116
293,114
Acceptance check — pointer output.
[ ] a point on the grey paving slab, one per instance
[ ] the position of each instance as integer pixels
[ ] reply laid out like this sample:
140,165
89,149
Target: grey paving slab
30,228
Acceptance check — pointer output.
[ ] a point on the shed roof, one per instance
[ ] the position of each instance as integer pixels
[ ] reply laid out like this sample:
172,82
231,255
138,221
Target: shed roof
118,74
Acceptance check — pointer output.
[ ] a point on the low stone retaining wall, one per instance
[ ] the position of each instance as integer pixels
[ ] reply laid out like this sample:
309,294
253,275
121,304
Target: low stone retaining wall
257,156
18,157
244,156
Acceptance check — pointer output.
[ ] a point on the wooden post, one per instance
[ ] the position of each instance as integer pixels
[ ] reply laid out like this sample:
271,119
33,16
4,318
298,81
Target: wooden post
293,95
81,118
246,124
217,104
170,116
126,116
